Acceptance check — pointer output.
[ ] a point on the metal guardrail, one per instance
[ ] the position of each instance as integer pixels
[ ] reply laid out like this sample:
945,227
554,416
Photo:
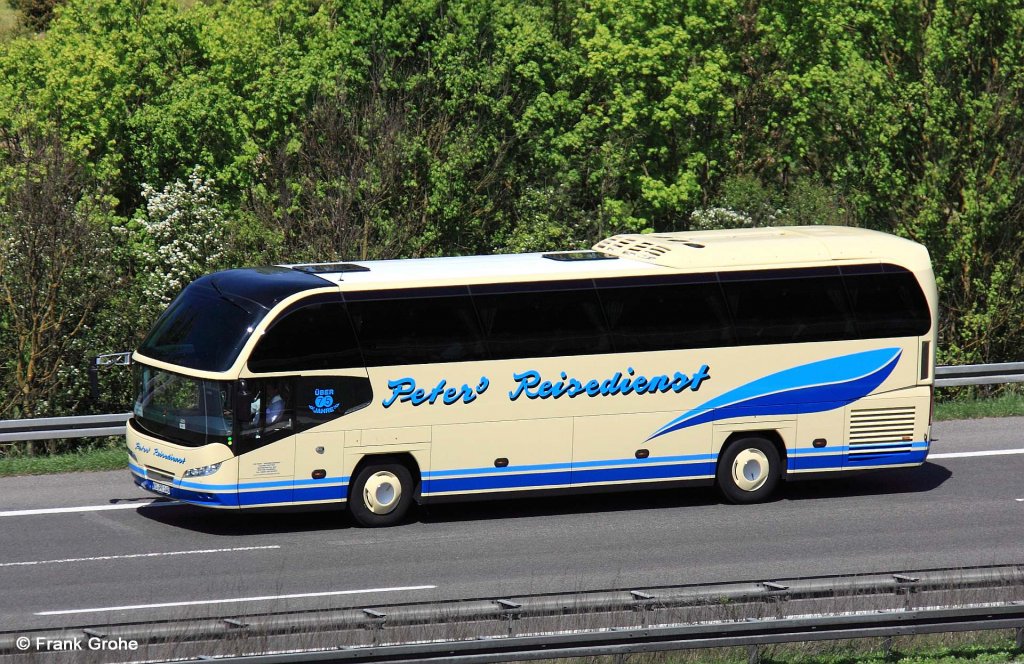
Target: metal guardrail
980,374
606,621
751,633
51,428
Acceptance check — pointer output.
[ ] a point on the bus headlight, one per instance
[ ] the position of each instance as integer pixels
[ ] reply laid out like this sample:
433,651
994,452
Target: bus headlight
203,471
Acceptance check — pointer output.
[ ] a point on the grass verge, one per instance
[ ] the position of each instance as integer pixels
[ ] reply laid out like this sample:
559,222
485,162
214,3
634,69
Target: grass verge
103,458
960,654
982,648
1007,404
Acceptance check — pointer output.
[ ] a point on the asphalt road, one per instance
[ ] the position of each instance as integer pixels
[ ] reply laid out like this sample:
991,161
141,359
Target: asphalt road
121,558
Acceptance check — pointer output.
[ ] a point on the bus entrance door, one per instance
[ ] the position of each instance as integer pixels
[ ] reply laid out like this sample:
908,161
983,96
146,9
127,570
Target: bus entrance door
266,472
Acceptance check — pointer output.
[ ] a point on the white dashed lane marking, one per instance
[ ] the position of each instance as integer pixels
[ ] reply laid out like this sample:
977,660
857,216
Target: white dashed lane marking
30,563
234,600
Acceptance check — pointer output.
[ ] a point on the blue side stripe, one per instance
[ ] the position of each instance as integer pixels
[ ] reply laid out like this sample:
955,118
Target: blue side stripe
689,466
528,480
839,461
186,484
683,471
881,447
243,486
252,498
886,459
455,472
517,481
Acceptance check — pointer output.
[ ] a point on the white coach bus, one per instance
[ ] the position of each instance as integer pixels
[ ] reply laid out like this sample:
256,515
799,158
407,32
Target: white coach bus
737,358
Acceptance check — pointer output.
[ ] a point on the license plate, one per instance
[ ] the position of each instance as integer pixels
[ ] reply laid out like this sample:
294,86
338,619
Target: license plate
160,488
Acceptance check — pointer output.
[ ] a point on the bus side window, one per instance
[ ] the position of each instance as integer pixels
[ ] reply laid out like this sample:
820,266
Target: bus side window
657,316
314,337
784,310
437,325
888,304
541,323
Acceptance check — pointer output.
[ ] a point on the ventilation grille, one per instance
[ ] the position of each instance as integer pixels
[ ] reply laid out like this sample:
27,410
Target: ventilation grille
632,247
875,430
159,475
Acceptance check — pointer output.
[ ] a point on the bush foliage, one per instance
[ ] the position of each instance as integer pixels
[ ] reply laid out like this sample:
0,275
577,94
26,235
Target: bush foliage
323,129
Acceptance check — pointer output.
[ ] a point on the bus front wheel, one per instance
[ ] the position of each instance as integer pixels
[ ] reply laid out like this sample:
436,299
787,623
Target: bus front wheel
380,495
748,470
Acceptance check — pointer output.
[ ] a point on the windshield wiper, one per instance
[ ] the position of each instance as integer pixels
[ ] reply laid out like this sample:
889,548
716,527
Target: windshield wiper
236,301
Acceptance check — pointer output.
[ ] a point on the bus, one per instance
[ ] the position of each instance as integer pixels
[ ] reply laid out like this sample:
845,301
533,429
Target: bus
736,358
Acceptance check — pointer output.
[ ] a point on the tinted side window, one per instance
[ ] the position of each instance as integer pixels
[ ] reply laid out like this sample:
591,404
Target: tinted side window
417,330
646,317
312,338
888,304
542,323
789,309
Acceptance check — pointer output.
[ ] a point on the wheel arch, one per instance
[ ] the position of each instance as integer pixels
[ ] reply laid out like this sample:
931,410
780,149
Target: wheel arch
771,435
403,458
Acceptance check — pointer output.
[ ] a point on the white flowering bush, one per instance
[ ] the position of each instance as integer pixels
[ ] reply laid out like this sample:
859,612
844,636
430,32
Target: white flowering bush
714,218
178,234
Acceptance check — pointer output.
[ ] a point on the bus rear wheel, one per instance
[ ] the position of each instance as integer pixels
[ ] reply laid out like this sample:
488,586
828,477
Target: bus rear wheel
380,495
748,470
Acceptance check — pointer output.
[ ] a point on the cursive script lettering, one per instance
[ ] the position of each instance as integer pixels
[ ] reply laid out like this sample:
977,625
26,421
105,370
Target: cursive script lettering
532,385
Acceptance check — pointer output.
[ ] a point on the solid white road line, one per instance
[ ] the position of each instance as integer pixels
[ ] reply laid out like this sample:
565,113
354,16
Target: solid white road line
983,453
234,600
91,508
139,555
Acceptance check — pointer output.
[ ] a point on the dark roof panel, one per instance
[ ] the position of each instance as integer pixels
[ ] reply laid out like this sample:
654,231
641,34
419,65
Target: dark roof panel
266,286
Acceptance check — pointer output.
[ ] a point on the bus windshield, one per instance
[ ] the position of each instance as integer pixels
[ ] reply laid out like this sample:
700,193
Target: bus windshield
185,410
203,328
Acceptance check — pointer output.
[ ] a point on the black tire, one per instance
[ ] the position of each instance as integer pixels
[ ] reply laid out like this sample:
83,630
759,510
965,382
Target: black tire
380,495
748,470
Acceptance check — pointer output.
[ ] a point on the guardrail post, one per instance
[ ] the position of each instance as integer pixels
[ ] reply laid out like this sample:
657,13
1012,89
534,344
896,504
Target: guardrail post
906,587
377,620
510,613
1020,638
753,655
887,647
643,604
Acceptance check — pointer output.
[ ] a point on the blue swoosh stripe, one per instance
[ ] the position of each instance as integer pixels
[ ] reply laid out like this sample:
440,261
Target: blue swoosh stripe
808,388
